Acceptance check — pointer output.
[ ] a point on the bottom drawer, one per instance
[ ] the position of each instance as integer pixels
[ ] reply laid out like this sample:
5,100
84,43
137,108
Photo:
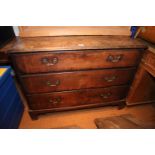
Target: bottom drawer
76,97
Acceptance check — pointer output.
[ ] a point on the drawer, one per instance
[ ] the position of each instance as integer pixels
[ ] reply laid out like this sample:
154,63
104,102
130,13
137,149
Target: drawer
76,97
43,83
75,60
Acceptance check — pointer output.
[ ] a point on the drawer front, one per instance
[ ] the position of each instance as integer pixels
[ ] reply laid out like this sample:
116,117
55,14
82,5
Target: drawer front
75,60
76,97
76,80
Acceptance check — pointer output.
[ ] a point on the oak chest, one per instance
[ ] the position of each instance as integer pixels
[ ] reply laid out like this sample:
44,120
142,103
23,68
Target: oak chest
73,72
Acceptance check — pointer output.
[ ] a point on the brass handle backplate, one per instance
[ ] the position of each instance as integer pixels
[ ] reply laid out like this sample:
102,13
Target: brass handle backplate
55,101
114,58
49,61
110,79
105,96
56,83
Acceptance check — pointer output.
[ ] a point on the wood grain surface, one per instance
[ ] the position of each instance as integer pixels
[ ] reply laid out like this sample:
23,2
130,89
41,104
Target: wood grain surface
74,43
76,97
43,83
45,62
35,31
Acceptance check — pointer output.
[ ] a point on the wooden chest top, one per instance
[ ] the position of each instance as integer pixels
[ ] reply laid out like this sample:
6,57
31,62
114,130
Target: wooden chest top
74,43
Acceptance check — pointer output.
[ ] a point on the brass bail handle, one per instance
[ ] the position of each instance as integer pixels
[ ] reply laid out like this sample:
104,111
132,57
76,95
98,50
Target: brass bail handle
55,101
110,79
105,96
114,58
49,61
49,83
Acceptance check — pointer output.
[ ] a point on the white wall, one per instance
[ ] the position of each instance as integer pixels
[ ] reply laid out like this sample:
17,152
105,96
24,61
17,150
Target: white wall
16,30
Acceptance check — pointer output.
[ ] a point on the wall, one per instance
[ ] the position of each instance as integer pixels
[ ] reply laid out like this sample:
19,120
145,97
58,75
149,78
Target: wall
16,30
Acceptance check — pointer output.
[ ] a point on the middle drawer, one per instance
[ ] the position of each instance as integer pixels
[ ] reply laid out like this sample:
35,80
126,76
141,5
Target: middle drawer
43,83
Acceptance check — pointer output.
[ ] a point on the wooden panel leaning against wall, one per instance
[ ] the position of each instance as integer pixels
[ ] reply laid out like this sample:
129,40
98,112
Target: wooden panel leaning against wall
147,33
143,86
34,31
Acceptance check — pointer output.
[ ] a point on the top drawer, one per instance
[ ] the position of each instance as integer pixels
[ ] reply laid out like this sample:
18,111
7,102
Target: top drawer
75,60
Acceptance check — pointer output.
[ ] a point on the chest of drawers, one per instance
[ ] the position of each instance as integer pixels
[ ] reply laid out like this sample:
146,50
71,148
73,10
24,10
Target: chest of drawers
74,72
